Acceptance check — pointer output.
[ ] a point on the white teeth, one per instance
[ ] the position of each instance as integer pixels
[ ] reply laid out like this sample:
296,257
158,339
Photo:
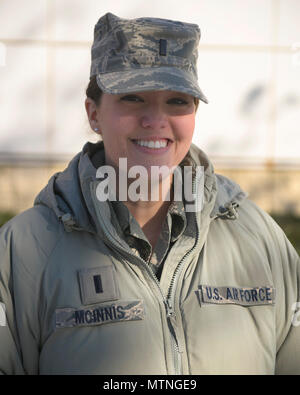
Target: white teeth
152,144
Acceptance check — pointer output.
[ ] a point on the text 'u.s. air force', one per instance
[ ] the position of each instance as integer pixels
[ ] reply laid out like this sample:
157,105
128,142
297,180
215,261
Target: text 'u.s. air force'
244,296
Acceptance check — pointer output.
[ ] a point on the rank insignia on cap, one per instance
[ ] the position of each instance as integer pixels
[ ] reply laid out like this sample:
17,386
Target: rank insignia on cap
163,47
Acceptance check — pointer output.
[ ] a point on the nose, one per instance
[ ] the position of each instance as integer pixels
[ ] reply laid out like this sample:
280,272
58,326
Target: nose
154,118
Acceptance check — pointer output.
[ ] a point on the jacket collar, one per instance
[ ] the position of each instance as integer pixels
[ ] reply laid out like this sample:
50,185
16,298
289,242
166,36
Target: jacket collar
68,193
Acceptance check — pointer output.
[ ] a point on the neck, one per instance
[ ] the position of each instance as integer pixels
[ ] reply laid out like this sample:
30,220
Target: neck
151,214
152,199
147,213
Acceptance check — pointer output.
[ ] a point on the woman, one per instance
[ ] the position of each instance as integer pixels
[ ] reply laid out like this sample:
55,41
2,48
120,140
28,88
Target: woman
138,285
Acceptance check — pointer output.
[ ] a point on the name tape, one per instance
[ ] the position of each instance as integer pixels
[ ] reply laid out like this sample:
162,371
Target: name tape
244,296
97,315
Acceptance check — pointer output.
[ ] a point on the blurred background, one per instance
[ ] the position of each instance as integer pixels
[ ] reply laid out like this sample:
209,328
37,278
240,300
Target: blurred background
249,68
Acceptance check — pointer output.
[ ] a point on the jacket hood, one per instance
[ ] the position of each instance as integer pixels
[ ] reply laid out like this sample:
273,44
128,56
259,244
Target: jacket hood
68,192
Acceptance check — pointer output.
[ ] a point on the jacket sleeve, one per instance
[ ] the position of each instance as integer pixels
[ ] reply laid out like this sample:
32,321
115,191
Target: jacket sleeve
284,264
10,353
288,313
25,245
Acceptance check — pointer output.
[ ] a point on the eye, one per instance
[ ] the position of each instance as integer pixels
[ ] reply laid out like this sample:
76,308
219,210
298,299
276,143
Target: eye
179,101
132,98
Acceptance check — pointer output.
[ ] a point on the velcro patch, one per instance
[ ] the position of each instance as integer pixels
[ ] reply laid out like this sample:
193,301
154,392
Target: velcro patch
98,284
245,296
98,315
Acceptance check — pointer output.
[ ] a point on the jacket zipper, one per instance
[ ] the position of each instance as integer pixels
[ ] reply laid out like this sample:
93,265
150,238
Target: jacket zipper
170,300
169,309
176,351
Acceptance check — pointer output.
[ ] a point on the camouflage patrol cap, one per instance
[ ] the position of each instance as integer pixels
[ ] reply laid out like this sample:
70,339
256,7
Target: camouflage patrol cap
145,54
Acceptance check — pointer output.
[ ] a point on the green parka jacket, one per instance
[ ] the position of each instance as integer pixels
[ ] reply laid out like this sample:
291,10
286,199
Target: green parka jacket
78,301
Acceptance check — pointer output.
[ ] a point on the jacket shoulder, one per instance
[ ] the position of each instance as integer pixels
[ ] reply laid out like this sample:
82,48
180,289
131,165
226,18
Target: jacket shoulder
270,238
260,221
32,235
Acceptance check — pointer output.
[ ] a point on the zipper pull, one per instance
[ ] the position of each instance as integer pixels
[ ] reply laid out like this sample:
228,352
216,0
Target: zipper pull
172,317
170,310
232,213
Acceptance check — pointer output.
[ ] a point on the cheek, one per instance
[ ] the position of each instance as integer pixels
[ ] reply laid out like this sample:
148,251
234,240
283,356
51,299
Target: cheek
115,133
119,126
185,128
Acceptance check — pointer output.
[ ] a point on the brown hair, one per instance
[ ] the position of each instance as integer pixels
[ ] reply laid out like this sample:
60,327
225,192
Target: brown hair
94,92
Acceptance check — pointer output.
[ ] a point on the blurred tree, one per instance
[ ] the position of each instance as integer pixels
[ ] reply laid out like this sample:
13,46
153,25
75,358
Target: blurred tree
5,216
291,227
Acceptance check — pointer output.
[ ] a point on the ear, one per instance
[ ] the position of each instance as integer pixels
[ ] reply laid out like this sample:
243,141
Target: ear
92,113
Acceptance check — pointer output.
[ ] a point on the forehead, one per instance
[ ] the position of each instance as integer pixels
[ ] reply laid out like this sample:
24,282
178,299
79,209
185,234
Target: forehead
158,94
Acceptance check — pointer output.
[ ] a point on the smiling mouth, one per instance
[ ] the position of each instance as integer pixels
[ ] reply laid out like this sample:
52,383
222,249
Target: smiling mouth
152,143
